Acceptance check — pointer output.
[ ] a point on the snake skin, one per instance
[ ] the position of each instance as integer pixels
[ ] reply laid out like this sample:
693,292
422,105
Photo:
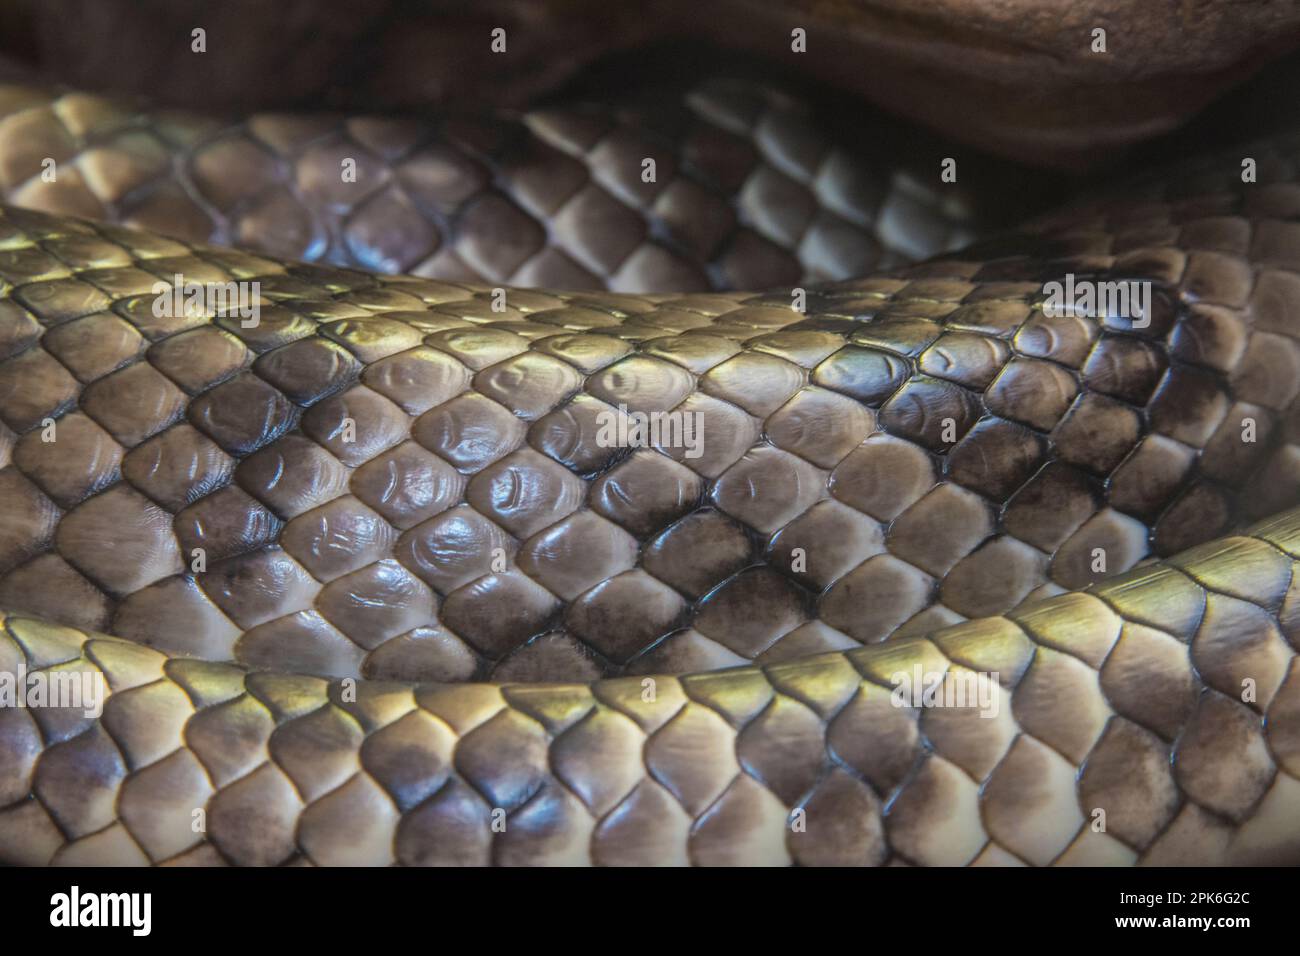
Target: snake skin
1123,698
233,688
748,191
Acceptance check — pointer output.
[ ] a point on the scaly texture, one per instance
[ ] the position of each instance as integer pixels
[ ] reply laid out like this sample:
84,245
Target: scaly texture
746,190
1124,699
389,478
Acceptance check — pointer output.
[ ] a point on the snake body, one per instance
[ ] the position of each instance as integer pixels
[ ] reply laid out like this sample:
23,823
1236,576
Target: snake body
366,585
748,188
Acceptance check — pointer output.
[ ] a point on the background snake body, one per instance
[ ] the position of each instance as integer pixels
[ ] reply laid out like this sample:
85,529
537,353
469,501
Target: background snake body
438,620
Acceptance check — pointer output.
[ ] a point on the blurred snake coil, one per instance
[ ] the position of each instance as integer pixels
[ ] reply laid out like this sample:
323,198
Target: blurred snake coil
366,584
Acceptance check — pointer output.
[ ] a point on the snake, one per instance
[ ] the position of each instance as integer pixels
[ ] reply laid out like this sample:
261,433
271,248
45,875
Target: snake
390,566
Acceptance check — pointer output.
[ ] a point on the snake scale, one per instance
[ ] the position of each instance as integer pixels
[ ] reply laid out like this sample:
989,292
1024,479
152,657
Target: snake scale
366,584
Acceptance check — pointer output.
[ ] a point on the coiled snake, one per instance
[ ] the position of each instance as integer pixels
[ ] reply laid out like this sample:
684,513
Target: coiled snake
572,649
